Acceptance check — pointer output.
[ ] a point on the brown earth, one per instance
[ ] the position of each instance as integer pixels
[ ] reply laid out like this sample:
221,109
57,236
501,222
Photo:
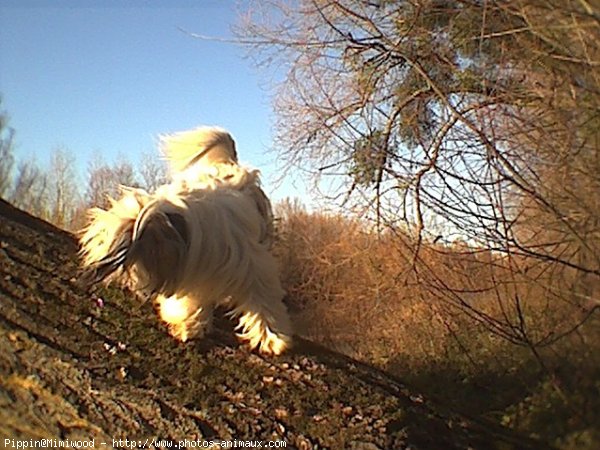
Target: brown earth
71,368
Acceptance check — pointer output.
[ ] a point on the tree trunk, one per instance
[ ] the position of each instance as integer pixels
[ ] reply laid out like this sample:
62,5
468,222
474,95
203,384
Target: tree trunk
80,365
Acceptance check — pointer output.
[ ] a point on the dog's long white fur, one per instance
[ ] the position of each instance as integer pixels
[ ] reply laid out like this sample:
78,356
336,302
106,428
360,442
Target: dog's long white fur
200,241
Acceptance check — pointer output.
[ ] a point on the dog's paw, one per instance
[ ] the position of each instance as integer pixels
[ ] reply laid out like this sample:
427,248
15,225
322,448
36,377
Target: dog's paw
195,326
258,335
179,331
183,326
273,343
173,310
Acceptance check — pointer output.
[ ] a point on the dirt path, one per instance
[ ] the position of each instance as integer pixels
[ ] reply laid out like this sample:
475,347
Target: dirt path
74,368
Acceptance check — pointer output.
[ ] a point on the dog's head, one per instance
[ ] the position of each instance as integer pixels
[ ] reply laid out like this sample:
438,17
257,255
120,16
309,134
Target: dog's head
204,146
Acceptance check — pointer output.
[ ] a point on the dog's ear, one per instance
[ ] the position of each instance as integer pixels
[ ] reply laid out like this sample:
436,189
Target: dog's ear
159,247
178,223
207,145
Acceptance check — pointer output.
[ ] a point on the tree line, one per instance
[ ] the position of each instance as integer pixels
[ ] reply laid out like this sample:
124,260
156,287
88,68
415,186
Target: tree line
57,193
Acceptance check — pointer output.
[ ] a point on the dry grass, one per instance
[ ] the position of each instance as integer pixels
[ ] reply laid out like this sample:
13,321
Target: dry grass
471,327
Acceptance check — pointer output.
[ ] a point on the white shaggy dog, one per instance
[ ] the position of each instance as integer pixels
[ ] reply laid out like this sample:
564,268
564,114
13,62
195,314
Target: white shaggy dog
200,241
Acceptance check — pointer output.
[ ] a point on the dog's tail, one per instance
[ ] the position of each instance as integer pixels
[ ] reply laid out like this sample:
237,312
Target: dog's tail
204,145
142,238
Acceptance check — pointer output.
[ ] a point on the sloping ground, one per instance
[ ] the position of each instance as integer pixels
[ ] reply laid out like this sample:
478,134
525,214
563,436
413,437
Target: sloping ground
74,367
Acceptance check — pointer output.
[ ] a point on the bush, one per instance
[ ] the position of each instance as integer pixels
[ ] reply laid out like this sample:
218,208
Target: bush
470,327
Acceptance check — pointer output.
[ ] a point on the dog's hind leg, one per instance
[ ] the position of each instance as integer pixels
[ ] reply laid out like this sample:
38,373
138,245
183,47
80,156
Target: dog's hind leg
264,325
185,319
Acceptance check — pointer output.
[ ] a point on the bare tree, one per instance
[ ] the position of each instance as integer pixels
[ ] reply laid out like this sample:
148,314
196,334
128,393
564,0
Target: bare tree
31,190
6,154
153,172
480,116
105,180
63,188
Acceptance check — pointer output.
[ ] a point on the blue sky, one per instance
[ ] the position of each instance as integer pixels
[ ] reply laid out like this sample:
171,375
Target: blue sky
108,76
